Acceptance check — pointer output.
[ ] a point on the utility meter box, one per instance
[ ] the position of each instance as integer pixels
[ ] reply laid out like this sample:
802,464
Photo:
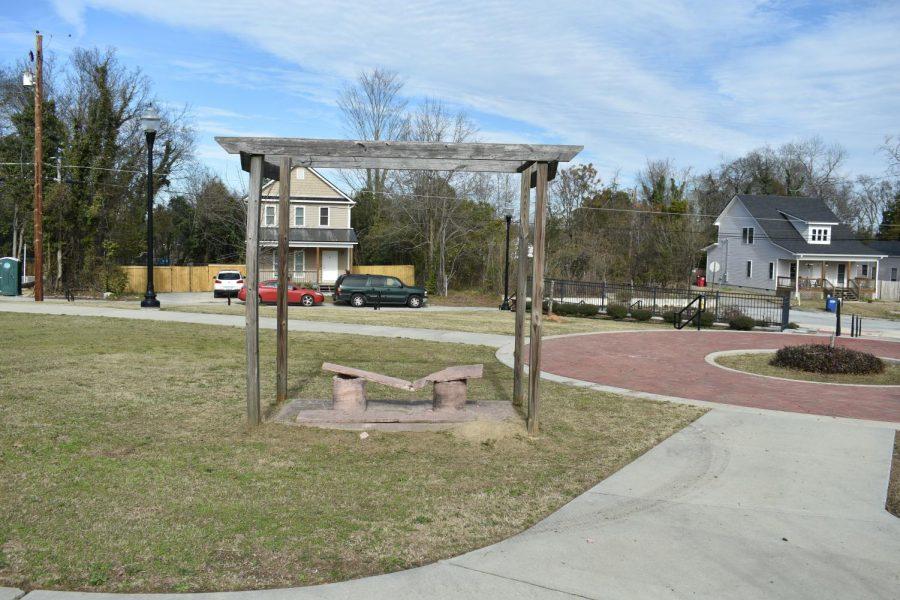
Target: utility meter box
10,277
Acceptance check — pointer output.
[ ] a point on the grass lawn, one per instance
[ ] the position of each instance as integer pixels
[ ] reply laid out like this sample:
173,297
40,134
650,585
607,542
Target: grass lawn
893,498
502,322
125,464
875,309
759,364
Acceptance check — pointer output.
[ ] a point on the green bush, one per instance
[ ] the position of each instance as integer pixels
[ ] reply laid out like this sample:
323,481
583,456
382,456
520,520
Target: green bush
707,319
641,314
617,311
741,323
822,358
761,322
793,325
570,309
669,316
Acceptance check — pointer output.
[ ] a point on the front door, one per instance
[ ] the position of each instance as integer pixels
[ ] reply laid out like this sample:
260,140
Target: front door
842,274
329,266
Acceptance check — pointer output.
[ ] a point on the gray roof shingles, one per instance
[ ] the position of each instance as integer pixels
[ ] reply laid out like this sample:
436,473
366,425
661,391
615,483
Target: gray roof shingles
770,212
889,247
309,234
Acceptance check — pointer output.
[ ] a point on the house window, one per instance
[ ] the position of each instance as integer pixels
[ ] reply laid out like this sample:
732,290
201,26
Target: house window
771,270
864,270
269,220
323,216
298,216
747,235
749,269
299,262
819,235
893,273
301,173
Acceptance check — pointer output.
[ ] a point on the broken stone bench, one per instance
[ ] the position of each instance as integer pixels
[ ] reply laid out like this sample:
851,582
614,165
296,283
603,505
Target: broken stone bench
450,386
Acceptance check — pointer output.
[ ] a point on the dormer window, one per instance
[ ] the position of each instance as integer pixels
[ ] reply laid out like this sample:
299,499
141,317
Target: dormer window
819,235
747,235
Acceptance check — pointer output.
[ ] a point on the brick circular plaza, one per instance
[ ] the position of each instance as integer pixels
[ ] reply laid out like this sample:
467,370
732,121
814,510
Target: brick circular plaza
672,363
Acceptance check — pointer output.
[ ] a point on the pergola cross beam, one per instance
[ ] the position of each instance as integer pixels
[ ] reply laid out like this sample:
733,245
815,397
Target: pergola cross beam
537,164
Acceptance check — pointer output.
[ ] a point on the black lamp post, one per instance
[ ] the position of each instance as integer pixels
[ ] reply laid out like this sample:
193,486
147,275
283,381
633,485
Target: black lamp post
505,305
150,123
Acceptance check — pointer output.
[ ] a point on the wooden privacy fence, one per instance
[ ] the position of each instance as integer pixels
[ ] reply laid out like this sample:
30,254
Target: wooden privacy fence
196,278
405,273
199,278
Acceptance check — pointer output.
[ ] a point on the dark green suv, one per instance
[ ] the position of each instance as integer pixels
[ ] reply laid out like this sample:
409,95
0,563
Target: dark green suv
360,290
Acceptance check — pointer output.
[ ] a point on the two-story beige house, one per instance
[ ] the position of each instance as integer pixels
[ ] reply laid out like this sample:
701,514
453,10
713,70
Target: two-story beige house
321,240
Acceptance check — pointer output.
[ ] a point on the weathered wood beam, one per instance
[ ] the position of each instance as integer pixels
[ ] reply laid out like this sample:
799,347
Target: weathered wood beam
519,387
537,297
276,146
284,205
270,170
409,164
251,329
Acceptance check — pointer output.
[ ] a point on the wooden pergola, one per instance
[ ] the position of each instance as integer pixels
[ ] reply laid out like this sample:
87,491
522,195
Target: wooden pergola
273,158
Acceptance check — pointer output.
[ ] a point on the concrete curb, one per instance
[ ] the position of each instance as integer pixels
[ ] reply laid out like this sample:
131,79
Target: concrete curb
8,593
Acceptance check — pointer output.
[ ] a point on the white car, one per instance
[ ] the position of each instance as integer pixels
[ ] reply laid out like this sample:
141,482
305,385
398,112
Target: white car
227,283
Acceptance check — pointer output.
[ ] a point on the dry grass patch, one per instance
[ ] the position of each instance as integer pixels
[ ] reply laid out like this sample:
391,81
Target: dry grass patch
501,322
878,309
893,497
125,464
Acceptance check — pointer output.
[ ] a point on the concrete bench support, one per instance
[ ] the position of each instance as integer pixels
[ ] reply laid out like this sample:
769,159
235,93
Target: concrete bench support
348,393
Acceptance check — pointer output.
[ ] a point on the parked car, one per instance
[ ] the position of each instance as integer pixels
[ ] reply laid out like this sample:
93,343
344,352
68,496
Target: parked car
360,290
227,283
268,294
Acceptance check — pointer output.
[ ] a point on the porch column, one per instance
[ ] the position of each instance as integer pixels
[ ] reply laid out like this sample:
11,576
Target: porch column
823,274
318,265
875,278
797,280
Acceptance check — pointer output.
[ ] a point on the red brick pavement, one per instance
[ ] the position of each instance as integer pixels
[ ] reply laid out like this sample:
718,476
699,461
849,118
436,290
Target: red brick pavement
672,363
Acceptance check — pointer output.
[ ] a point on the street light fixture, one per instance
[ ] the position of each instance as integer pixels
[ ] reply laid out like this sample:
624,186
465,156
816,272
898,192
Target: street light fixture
505,305
150,124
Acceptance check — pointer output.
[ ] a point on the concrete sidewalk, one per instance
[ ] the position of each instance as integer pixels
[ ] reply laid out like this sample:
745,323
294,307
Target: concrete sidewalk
824,322
736,506
294,325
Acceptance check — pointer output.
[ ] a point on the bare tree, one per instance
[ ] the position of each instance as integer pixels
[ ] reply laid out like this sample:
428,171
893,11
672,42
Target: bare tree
374,110
891,148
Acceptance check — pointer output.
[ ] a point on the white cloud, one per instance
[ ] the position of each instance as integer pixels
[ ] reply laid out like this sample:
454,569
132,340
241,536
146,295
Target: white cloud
691,80
72,12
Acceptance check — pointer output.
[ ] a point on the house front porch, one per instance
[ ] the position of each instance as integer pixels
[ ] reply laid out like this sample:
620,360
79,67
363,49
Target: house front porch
808,278
317,267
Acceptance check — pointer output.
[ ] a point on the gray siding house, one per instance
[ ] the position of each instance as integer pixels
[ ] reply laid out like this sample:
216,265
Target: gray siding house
790,244
889,272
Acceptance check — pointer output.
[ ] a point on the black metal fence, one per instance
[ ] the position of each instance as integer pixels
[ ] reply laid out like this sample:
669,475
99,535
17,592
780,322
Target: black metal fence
764,309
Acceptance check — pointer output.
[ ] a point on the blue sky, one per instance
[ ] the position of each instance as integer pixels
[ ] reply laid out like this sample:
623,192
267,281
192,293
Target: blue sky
696,82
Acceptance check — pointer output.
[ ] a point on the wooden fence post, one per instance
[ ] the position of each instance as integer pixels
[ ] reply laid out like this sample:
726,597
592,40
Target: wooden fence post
537,298
251,330
284,203
519,389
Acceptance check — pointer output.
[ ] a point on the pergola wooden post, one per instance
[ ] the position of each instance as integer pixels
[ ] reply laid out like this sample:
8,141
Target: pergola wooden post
520,393
251,282
284,209
536,163
537,299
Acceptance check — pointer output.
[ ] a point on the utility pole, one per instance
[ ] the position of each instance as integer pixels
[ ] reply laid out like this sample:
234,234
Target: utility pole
38,170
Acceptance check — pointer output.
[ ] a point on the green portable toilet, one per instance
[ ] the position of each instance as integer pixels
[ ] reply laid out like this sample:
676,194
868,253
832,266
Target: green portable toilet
10,277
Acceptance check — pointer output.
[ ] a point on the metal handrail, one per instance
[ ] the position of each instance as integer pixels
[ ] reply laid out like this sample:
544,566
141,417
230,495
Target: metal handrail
694,317
638,303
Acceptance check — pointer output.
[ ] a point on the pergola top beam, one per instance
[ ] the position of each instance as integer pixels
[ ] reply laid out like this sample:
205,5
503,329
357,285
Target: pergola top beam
352,154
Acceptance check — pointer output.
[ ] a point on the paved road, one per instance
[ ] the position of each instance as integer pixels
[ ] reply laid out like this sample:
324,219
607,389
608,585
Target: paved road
821,321
86,309
735,506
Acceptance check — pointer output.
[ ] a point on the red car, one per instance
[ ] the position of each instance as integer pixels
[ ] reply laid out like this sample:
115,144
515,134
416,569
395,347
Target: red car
268,294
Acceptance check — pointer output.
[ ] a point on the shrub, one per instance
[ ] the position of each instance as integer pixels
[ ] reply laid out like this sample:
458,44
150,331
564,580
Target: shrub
822,358
641,314
575,310
793,325
669,316
760,322
741,323
617,311
707,319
